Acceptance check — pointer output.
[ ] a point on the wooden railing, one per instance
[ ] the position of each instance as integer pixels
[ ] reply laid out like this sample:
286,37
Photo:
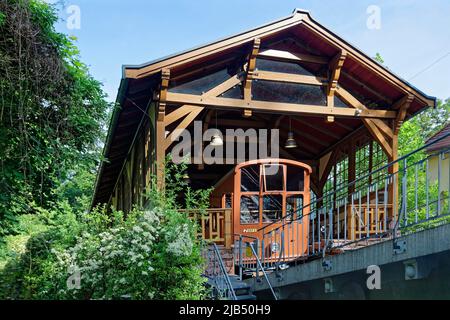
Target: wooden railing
367,220
215,225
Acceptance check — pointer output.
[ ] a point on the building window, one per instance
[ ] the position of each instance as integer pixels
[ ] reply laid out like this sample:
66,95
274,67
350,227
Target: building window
337,181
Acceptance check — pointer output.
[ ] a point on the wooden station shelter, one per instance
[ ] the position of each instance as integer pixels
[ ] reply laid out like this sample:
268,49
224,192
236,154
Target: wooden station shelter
344,109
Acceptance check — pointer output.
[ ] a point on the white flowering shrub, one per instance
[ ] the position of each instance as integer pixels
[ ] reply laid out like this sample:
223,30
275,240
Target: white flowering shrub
152,254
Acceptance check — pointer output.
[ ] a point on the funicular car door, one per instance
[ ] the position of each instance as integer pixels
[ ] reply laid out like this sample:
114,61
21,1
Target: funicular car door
265,191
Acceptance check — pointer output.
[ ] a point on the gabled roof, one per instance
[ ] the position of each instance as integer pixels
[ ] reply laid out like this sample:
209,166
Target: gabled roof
359,73
443,143
297,18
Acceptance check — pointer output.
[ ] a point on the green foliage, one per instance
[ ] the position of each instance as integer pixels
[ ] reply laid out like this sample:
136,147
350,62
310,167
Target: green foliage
415,132
2,18
52,114
152,254
378,58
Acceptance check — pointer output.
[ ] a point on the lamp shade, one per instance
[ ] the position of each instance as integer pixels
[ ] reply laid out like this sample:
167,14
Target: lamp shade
290,142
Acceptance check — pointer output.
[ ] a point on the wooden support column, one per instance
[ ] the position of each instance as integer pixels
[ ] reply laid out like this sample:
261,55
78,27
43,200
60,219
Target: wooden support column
393,188
228,232
251,66
160,129
335,71
402,106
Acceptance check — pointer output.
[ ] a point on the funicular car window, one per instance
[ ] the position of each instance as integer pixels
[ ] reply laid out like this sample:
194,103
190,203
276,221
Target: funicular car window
273,177
294,208
272,208
295,178
250,209
250,181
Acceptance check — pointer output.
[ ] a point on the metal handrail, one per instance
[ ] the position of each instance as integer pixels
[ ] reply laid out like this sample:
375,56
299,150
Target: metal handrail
350,184
263,271
258,260
224,272
370,229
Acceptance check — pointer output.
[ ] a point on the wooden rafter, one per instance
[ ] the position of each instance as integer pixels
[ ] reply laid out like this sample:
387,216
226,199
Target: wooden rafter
365,87
302,134
312,127
241,123
402,106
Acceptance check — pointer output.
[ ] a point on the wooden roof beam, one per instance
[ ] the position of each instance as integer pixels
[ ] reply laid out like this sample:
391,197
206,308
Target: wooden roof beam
289,78
275,107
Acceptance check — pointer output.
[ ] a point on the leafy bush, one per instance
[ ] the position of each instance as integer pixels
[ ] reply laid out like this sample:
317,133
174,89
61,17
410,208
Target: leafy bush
150,254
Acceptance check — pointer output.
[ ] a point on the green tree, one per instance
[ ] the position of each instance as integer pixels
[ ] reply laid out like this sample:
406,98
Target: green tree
52,112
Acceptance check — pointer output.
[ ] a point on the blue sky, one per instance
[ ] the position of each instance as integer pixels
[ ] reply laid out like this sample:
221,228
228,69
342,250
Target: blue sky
414,36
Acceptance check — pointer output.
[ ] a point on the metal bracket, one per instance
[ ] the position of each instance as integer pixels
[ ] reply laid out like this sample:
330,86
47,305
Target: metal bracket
327,265
399,246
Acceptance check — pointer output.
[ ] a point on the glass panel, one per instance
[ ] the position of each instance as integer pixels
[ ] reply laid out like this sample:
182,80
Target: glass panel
272,208
228,201
233,93
339,103
294,206
379,159
250,178
281,66
288,93
274,177
295,178
201,85
249,209
362,167
342,179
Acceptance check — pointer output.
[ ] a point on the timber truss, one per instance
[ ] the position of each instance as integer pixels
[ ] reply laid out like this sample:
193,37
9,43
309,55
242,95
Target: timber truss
383,124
